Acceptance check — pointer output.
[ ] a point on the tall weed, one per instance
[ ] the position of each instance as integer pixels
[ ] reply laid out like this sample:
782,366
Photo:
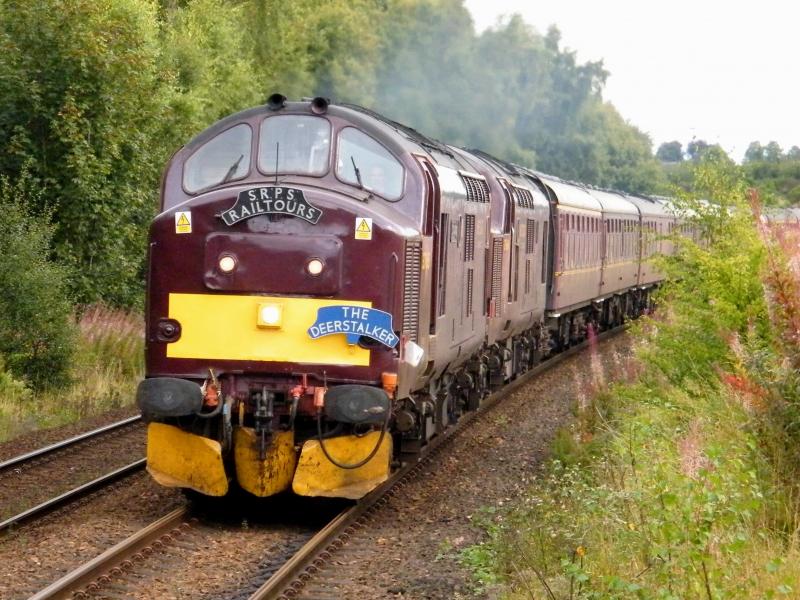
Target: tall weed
680,483
107,364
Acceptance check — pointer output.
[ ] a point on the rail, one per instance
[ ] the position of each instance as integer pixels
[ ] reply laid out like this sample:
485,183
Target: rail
287,582
18,460
62,499
157,533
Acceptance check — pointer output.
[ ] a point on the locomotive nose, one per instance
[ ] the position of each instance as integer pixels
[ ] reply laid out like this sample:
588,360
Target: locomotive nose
296,264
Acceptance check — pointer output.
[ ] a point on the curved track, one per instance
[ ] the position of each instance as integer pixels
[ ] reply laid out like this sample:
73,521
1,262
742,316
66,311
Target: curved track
124,569
289,581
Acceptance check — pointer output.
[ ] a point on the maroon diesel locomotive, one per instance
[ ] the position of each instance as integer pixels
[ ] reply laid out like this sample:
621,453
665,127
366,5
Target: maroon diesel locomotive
328,289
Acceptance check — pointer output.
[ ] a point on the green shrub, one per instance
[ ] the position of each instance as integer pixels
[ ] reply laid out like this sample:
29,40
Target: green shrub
36,335
686,487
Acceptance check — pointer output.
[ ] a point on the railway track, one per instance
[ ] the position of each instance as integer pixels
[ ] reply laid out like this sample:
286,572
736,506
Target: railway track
170,543
304,565
310,564
29,457
26,479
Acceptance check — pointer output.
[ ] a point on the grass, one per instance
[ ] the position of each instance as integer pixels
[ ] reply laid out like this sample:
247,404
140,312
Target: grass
108,363
661,492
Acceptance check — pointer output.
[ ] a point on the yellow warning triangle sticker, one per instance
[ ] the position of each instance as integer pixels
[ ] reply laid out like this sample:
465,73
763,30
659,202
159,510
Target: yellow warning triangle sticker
363,227
182,220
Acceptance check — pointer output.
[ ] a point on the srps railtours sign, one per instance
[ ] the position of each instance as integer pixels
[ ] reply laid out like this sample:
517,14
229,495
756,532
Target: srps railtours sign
272,200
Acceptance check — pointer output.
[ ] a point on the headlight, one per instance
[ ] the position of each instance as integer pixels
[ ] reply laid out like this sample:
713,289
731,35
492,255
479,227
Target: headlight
227,263
315,266
270,315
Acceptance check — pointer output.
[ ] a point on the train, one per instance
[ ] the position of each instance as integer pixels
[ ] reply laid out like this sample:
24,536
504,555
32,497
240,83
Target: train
328,289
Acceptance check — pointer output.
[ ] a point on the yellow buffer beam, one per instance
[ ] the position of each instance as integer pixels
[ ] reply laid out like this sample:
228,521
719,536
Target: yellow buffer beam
226,327
317,476
271,475
176,458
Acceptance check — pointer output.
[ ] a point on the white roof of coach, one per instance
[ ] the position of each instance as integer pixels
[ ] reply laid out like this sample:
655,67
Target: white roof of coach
572,195
612,202
649,207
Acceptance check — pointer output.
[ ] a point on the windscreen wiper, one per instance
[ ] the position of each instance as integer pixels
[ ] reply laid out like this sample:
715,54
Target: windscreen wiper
358,173
232,171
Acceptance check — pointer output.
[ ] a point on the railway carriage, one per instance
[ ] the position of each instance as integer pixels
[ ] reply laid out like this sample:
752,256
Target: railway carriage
328,289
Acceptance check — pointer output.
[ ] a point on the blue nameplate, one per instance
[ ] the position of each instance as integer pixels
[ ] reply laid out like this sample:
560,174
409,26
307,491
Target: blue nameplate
354,321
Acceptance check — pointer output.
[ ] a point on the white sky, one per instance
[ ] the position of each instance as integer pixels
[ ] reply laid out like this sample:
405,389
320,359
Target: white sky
725,72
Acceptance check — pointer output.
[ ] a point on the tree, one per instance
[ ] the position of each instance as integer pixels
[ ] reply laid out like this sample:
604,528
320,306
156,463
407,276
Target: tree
205,47
670,152
83,104
793,154
754,152
699,149
695,149
36,334
773,152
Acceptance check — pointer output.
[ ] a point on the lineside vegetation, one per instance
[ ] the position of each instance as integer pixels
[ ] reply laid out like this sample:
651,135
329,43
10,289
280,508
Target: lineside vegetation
680,482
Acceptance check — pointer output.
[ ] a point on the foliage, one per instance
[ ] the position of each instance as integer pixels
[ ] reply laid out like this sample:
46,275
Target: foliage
778,182
512,92
35,333
681,482
82,104
107,364
670,152
715,286
203,44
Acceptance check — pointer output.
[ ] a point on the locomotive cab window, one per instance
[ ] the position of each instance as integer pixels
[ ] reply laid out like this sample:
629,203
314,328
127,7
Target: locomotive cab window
224,158
294,144
363,162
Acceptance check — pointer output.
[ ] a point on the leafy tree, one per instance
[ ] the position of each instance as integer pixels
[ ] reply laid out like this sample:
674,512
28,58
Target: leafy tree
754,152
773,152
83,104
205,47
510,91
695,149
699,149
36,334
670,152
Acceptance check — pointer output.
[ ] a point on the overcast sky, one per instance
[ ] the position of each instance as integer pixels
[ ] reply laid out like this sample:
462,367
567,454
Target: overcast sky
725,72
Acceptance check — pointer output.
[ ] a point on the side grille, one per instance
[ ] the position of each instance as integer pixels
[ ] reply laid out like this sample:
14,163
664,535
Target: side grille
523,196
469,238
477,189
527,277
411,291
530,237
468,303
497,277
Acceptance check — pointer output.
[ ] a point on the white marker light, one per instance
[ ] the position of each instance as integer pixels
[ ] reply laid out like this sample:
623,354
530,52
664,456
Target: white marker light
269,315
315,266
227,264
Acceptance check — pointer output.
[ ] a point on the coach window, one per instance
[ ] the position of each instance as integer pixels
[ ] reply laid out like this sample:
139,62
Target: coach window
363,162
224,158
295,144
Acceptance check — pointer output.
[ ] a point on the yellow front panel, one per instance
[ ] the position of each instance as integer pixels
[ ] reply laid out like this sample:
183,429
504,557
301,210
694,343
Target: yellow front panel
216,326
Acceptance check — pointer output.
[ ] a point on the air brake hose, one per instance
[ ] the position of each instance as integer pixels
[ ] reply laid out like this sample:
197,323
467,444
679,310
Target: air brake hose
360,463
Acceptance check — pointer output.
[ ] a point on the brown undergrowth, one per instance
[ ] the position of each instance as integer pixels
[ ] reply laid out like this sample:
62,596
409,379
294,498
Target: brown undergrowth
681,480
107,365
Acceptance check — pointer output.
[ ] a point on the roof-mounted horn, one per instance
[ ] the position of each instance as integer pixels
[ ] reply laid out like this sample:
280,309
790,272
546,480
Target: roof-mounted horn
319,105
276,101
